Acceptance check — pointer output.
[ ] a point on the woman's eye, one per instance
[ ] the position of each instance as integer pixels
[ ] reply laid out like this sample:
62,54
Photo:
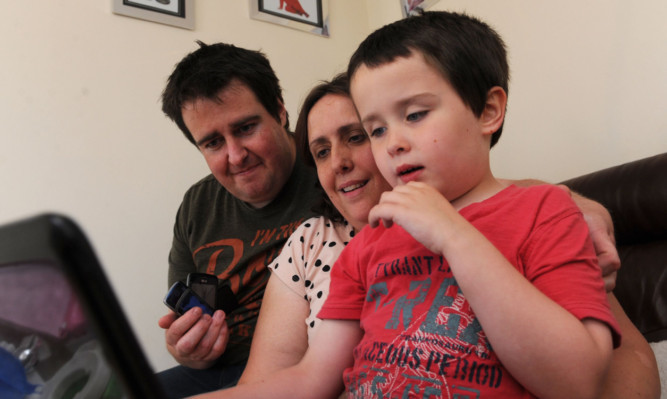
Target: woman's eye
415,116
378,131
359,137
319,154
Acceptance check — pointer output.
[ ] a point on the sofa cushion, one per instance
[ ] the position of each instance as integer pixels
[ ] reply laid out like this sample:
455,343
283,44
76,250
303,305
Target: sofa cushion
641,287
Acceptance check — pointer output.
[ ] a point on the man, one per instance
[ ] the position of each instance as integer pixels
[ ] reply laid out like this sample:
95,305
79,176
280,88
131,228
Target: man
228,103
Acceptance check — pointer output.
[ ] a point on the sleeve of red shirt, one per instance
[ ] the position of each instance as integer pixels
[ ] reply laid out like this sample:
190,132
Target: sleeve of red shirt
559,256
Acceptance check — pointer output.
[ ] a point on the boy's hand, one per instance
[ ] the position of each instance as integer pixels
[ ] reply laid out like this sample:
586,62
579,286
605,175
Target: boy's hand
195,340
421,210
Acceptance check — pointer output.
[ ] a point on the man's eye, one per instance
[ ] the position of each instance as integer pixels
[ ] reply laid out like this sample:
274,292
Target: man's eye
247,128
415,116
213,144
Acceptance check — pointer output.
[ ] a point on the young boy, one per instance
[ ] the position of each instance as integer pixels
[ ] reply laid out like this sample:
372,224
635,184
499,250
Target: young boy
462,287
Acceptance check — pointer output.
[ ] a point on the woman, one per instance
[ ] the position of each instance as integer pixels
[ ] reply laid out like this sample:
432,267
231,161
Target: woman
331,138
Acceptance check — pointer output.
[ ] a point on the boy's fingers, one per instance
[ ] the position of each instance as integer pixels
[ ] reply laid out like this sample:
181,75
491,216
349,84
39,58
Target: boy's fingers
379,214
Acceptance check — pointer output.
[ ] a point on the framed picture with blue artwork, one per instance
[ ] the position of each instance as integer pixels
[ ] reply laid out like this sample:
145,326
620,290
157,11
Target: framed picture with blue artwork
178,13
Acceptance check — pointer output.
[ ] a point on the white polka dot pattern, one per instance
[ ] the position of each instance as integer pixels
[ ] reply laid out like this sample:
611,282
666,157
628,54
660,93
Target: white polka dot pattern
306,260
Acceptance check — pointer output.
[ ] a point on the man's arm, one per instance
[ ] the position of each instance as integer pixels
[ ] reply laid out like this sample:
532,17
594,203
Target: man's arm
602,234
194,340
633,372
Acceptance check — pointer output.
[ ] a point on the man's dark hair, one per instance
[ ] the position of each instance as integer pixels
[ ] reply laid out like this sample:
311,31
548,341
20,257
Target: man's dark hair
339,85
211,68
467,52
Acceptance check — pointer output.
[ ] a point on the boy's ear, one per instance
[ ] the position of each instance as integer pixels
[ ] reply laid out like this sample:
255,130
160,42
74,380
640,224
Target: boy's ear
493,116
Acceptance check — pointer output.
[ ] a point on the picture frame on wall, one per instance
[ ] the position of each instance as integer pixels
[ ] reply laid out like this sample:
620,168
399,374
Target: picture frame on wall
414,7
306,15
178,13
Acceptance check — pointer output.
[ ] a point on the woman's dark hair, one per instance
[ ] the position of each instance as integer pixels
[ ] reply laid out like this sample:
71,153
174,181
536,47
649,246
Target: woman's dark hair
339,85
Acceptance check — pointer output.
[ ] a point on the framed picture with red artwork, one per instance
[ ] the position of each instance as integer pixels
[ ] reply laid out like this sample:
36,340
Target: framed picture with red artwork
307,15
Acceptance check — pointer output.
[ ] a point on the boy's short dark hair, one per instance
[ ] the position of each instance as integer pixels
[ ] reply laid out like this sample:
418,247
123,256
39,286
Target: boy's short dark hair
468,53
211,68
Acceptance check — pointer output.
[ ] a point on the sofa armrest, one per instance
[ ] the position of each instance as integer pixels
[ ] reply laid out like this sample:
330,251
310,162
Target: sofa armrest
635,194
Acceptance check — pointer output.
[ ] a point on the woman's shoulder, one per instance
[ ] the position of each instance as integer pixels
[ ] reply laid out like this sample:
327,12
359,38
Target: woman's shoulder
321,228
312,238
310,252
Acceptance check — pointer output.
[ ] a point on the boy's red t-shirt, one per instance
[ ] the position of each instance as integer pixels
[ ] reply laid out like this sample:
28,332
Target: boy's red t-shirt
421,338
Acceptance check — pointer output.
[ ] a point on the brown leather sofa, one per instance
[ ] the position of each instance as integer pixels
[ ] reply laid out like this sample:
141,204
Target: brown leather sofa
635,194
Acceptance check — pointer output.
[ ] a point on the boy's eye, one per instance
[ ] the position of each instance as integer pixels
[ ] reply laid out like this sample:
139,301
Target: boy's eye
415,116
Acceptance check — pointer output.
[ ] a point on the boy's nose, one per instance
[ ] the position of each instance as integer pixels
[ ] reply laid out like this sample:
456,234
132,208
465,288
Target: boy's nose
396,142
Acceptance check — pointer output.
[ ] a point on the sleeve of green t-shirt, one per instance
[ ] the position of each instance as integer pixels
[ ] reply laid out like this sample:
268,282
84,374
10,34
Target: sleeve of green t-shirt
180,256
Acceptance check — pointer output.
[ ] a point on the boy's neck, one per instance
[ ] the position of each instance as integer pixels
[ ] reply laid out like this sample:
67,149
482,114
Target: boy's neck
485,189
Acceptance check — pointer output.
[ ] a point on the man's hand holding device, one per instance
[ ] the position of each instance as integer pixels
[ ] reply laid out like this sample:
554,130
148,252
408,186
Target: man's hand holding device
196,333
180,299
204,285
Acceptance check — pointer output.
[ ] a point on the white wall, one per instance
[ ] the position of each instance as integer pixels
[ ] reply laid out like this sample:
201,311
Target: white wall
588,83
82,131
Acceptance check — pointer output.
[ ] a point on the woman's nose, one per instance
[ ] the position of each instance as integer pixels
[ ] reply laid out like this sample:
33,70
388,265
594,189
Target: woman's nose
342,160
